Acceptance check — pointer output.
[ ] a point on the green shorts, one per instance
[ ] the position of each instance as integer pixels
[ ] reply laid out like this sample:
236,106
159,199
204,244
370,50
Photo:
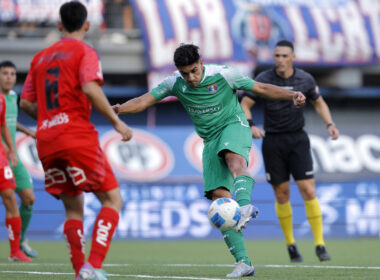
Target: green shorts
234,137
23,179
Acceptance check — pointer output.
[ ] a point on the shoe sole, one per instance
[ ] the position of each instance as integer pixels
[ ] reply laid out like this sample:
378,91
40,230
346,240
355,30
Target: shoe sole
243,225
246,221
244,275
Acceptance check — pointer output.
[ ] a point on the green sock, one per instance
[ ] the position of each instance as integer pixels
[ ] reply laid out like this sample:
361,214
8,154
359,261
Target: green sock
26,215
235,244
243,189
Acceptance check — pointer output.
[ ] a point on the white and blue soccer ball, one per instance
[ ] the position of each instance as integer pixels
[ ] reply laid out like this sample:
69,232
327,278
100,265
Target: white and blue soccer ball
224,213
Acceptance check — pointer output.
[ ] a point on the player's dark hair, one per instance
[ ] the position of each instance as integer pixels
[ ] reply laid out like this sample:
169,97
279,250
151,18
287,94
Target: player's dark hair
7,63
285,43
186,54
73,15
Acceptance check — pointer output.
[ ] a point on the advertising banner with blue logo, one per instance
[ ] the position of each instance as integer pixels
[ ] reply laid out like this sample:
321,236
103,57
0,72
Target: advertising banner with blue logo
160,175
242,33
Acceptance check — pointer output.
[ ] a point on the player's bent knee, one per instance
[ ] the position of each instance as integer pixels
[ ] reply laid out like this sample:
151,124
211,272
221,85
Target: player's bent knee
27,196
111,199
29,201
220,192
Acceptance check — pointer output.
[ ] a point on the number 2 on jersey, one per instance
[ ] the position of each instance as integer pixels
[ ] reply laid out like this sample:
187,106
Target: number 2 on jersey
51,88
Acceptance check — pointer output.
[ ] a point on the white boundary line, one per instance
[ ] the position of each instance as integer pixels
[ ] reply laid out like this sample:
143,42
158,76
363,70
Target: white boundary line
137,276
280,266
115,275
207,265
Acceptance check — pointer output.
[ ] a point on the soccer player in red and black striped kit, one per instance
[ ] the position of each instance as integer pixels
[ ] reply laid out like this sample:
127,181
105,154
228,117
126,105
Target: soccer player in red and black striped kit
63,82
286,146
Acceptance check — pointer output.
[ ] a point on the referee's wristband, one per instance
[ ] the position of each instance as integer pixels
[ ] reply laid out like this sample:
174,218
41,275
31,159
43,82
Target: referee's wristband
251,123
330,124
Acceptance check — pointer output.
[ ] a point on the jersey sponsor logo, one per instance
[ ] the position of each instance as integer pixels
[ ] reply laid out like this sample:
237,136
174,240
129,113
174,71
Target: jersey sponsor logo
144,158
184,88
102,232
204,110
212,88
194,148
59,119
26,147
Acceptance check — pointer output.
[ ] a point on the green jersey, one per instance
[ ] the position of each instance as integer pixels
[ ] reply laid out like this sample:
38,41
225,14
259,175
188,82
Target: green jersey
11,113
213,104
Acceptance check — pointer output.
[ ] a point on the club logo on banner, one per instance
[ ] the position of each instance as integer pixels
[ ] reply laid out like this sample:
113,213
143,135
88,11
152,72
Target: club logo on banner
194,149
26,147
145,158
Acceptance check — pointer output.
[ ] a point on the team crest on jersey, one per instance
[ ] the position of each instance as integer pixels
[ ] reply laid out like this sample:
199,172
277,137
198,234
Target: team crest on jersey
212,88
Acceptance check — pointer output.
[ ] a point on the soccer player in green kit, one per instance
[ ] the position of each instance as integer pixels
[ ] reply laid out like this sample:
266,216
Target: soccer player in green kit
207,92
23,179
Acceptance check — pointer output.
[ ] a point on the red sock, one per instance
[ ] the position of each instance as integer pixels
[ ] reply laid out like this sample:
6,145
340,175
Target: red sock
14,231
104,229
73,231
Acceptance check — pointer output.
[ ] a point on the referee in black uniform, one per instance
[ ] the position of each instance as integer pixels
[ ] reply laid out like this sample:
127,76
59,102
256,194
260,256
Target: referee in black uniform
286,146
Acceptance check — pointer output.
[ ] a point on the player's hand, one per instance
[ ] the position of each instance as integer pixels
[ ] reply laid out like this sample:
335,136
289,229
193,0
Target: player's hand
333,131
12,156
299,99
257,132
116,108
124,130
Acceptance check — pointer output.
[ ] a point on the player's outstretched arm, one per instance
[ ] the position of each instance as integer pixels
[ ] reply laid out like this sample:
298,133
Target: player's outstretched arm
135,105
97,98
25,130
275,92
6,135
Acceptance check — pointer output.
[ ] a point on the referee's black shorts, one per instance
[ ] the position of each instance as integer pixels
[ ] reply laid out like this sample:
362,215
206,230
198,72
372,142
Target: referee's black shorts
285,154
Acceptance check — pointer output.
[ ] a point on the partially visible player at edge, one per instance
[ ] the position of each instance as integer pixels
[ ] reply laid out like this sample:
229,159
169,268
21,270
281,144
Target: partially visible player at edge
207,93
23,180
7,188
286,146
63,82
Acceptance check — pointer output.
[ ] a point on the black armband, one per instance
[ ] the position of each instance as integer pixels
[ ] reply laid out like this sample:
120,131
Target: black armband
251,123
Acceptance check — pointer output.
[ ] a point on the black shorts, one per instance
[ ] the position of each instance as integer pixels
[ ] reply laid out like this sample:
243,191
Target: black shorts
285,154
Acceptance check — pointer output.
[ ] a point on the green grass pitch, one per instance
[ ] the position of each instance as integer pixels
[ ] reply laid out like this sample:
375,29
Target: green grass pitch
203,260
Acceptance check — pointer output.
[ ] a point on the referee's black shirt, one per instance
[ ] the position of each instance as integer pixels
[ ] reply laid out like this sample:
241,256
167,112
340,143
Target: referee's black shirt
281,115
